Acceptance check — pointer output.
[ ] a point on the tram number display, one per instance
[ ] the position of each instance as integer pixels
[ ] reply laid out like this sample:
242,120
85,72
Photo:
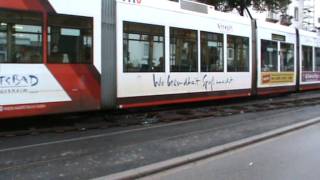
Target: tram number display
277,78
277,37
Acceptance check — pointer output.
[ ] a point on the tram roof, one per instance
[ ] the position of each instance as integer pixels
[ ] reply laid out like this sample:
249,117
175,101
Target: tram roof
189,7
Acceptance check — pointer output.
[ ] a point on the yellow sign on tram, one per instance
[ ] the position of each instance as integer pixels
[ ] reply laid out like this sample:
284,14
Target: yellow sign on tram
277,78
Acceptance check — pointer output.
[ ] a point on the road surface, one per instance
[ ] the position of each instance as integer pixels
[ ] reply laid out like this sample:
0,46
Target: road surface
99,153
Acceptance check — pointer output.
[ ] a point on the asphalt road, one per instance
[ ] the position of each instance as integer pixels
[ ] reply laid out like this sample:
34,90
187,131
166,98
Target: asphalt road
98,153
293,156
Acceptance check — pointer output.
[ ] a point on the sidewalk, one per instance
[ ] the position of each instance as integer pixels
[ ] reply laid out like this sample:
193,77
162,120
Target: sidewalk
291,156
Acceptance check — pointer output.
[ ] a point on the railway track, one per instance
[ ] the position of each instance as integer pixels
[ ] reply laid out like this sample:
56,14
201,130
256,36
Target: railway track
102,120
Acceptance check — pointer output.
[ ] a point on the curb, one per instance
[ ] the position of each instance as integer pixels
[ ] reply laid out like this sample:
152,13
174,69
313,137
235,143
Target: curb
183,160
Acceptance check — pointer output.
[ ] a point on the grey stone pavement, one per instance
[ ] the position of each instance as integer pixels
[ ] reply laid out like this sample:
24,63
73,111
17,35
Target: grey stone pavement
293,156
98,153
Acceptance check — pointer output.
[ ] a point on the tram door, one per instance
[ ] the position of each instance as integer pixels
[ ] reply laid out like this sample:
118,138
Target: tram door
70,57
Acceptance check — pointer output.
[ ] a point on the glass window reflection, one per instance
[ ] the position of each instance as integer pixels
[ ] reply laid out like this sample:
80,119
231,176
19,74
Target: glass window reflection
183,50
317,53
307,58
70,39
212,52
3,47
269,56
143,48
20,37
238,54
287,57
26,47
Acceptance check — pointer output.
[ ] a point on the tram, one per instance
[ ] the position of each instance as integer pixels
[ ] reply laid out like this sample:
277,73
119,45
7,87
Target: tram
70,56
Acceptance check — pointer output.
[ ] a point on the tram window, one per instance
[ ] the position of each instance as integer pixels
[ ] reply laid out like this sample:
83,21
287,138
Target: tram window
238,54
143,48
183,50
212,52
317,53
70,39
307,58
269,56
287,57
20,37
3,43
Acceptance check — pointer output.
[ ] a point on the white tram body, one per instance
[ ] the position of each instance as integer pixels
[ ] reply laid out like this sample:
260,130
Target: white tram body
67,56
272,40
309,58
168,15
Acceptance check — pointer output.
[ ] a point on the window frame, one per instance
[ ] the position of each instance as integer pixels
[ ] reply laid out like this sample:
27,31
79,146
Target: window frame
277,54
303,59
6,45
294,56
233,54
163,27
186,40
201,50
316,68
91,61
8,39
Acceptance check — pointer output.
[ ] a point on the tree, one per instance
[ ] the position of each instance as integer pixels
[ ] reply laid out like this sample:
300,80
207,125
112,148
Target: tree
241,5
